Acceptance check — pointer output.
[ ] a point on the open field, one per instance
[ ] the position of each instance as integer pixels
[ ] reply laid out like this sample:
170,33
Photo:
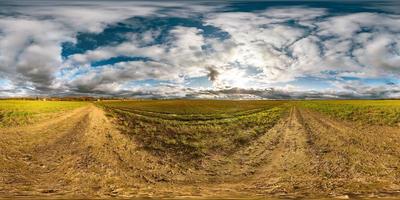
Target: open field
14,112
202,148
377,112
192,129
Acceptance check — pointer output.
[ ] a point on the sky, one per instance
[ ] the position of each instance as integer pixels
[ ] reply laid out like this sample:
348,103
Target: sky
200,49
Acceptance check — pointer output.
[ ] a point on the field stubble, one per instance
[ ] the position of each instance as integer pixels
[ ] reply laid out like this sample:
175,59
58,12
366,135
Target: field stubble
268,148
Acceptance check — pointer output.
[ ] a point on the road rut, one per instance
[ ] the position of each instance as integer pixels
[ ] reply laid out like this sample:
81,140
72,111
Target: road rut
84,154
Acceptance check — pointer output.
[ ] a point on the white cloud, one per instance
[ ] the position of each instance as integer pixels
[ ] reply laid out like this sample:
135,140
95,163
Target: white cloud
332,43
380,53
279,51
30,41
277,45
30,49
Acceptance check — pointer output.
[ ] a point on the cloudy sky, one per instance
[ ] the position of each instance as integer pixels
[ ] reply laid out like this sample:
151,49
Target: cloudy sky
200,49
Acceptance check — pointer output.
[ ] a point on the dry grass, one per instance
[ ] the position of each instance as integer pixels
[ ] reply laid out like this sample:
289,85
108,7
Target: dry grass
19,112
193,129
377,112
205,148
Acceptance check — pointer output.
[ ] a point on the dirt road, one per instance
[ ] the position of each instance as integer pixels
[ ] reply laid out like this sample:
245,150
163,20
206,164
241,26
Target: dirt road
83,154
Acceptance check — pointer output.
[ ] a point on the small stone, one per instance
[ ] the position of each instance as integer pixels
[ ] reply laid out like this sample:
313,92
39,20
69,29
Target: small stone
342,197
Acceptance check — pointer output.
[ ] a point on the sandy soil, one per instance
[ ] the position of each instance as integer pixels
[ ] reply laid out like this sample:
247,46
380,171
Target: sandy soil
84,155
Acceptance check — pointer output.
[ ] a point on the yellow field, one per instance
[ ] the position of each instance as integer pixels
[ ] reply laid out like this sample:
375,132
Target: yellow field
18,112
206,148
378,112
188,128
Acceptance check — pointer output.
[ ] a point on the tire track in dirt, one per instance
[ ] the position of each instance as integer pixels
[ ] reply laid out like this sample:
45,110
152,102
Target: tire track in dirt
34,152
289,167
43,124
353,158
55,158
83,154
318,156
280,163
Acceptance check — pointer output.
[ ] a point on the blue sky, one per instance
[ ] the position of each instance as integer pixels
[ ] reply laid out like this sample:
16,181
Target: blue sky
201,49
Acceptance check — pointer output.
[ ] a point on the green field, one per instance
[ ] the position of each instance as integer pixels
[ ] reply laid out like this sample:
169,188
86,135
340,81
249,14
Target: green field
375,112
309,148
19,112
205,112
194,128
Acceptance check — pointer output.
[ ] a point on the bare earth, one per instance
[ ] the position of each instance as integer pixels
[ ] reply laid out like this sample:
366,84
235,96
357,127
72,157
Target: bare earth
84,155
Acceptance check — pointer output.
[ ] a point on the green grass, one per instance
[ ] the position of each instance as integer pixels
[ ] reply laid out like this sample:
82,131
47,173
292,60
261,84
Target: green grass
20,112
195,128
373,112
191,107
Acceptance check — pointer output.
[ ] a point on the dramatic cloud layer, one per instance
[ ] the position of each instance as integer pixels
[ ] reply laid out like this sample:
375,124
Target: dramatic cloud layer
314,49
